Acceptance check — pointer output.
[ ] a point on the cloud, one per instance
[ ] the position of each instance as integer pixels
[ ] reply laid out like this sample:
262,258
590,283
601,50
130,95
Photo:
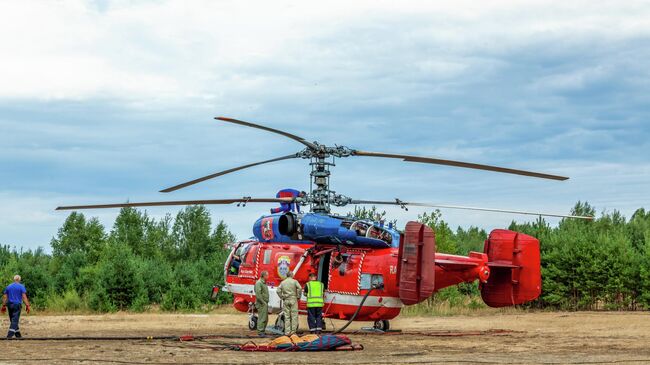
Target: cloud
113,100
175,50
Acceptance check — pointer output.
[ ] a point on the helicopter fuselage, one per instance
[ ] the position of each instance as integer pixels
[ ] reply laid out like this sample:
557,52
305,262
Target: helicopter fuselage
396,276
347,276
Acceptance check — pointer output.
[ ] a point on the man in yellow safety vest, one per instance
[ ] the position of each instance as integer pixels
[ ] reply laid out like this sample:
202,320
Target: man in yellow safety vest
314,290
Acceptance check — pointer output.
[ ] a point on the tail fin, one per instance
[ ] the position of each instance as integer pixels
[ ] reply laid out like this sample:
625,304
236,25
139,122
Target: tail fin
515,273
415,272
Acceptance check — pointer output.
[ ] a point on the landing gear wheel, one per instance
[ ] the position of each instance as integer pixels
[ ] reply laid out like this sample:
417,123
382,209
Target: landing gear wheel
382,325
252,322
252,317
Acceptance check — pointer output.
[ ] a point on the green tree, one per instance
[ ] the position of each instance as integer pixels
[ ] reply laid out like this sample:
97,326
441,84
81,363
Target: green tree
157,278
372,214
130,228
79,235
118,280
445,240
191,232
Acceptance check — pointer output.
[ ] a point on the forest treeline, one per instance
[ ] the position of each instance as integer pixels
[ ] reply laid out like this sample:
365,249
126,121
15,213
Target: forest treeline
602,264
172,263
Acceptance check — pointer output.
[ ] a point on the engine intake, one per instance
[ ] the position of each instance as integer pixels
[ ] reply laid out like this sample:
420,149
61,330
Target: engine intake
288,224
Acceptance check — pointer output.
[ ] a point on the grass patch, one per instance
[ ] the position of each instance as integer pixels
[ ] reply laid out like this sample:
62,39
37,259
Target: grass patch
464,299
69,302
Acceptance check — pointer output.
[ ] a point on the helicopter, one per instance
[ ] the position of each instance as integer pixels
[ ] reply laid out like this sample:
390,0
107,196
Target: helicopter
369,268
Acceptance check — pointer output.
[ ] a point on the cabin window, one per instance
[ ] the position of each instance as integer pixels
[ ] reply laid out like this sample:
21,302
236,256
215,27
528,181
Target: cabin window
370,280
341,261
267,257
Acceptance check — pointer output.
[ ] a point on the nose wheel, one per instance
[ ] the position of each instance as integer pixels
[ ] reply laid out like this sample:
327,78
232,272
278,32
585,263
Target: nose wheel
252,322
252,317
382,325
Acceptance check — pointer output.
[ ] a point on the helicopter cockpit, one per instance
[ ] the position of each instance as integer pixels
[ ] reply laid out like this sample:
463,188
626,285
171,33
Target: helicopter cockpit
380,233
361,227
238,256
371,230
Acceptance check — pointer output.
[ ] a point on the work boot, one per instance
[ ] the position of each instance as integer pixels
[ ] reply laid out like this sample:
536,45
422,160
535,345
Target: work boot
18,335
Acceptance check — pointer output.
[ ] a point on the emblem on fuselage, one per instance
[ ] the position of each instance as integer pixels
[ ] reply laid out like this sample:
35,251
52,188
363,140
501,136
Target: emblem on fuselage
283,266
267,228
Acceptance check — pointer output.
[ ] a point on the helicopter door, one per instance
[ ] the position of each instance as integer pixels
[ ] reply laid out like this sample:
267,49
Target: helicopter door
416,263
323,269
233,263
344,272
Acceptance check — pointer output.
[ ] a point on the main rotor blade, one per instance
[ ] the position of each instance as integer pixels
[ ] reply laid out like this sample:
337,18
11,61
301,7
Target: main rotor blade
224,172
468,165
253,125
178,202
401,203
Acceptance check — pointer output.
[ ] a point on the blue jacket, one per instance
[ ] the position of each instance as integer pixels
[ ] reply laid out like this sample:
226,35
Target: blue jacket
287,207
15,293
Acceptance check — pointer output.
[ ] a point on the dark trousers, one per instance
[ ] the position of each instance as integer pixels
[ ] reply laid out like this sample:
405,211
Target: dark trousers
315,319
14,317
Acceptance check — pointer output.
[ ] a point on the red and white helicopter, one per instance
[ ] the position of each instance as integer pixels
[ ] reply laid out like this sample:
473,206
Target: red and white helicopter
370,270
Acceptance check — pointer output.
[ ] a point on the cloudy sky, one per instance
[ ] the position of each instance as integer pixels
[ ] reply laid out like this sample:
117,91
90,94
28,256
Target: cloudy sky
111,101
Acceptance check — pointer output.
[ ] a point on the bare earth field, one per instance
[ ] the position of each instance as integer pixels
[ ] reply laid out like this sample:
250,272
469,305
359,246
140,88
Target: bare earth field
548,338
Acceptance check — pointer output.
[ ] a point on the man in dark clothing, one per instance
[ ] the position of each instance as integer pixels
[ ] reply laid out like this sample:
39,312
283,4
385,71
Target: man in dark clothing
13,297
314,291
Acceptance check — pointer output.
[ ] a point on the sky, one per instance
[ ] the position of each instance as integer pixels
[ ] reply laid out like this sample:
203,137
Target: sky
109,101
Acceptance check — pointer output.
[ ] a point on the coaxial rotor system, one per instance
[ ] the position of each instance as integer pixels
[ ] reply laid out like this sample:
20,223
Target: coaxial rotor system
321,197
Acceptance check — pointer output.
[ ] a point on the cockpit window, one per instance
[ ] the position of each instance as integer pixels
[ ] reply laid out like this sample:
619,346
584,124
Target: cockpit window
380,233
366,229
360,227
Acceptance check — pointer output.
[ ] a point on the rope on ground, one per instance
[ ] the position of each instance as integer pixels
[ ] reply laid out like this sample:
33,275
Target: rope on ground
94,360
463,361
128,338
93,338
202,345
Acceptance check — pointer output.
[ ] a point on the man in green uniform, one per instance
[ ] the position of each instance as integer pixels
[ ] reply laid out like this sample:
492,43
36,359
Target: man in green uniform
262,303
315,301
289,291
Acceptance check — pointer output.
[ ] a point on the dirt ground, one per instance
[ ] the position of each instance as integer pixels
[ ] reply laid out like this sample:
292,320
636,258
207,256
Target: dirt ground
548,338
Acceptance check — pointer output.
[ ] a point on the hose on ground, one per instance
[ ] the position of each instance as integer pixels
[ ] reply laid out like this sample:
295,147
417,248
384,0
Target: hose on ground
357,311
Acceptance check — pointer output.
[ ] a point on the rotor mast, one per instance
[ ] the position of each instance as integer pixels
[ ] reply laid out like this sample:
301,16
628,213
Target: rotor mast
321,197
319,187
